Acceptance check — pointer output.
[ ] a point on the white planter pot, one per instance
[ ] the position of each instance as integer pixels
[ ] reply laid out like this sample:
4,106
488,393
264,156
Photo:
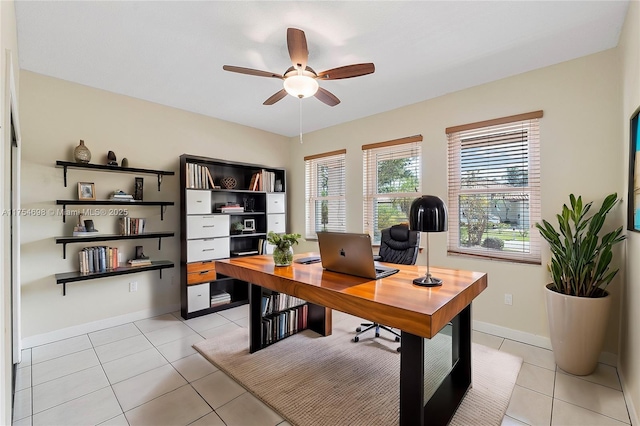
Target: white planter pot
577,326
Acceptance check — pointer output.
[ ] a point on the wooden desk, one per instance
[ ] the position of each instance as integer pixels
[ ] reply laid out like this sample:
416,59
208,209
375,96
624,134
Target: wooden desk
419,312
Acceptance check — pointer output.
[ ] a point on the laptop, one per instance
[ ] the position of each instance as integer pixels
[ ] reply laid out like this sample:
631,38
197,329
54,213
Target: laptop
350,253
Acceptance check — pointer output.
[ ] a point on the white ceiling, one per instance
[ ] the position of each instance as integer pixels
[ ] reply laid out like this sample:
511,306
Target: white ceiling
172,53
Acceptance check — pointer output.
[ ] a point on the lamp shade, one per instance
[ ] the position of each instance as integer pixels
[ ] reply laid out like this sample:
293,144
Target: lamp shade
428,214
300,86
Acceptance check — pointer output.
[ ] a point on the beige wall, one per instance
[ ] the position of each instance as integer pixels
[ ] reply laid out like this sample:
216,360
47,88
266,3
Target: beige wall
55,115
629,359
8,61
579,142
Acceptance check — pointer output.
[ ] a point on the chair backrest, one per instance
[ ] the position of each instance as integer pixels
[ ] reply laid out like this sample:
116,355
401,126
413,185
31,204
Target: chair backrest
399,245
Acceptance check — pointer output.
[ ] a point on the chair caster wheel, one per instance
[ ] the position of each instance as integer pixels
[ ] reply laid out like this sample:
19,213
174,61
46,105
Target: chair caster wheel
356,339
398,349
358,330
377,334
397,339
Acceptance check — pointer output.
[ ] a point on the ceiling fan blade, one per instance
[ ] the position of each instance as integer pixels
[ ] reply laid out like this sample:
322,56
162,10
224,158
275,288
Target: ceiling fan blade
297,44
251,71
327,97
275,97
348,71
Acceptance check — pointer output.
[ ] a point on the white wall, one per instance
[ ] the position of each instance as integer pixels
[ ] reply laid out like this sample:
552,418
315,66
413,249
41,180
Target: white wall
55,115
580,153
629,356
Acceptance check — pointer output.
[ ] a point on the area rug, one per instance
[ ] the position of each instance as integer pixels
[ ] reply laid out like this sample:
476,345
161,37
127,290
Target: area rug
313,380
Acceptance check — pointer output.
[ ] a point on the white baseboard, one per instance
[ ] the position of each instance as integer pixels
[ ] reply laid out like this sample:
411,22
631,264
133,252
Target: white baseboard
90,327
631,409
532,339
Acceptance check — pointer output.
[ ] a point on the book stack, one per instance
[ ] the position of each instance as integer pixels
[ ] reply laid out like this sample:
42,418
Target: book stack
255,182
139,262
267,181
132,225
219,297
97,259
198,176
121,196
231,208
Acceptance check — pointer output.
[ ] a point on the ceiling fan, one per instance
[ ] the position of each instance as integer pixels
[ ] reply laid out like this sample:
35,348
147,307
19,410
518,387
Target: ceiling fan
301,80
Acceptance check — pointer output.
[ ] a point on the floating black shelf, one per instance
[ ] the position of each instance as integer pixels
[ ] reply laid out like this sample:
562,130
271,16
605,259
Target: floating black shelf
65,203
76,276
110,237
68,164
248,235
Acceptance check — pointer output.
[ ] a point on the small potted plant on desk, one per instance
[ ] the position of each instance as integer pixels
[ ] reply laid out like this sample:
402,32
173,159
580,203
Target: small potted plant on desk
577,302
282,252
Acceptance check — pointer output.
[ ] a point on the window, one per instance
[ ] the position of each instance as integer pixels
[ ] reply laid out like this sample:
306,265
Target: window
494,188
325,192
392,180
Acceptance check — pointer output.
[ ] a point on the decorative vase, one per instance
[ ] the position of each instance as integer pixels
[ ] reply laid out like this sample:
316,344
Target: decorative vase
124,162
282,257
577,326
81,153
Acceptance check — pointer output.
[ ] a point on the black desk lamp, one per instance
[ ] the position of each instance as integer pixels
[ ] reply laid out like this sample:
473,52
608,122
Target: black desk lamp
428,214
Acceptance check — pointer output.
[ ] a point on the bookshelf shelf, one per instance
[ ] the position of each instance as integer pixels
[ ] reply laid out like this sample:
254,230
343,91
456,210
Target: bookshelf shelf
76,276
65,203
110,237
101,167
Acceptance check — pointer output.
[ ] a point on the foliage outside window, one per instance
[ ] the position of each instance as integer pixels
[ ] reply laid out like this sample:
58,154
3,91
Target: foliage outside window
494,188
392,180
325,193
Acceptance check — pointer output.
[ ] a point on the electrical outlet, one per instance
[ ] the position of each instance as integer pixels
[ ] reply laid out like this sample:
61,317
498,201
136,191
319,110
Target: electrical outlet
508,299
133,286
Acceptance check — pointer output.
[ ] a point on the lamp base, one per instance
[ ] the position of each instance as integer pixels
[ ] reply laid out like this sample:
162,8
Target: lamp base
428,281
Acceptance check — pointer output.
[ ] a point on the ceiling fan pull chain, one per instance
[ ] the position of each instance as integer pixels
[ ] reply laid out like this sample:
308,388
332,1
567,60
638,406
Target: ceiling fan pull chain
300,103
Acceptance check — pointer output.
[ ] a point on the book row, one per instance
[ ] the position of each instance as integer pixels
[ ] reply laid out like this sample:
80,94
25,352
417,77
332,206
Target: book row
198,177
284,324
132,225
276,302
97,259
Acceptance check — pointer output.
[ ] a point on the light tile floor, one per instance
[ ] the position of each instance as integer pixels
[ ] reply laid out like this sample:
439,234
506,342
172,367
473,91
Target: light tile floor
147,373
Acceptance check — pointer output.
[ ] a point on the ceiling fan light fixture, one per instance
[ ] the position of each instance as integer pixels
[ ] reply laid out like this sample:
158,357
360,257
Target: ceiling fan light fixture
300,86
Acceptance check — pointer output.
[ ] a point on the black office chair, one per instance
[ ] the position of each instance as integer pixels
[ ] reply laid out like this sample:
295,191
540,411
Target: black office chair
397,245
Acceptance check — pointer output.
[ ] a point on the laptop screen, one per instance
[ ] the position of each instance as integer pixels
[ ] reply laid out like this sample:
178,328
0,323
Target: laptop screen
350,253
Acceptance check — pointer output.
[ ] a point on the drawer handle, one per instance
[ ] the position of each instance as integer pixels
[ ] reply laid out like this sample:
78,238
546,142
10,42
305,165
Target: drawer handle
198,201
208,226
211,249
204,272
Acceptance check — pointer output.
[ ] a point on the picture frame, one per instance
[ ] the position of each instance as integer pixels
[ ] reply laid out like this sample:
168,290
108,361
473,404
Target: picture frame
138,188
633,199
249,225
86,191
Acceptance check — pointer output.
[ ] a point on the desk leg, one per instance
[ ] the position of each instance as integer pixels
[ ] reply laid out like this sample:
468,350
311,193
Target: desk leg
255,318
443,404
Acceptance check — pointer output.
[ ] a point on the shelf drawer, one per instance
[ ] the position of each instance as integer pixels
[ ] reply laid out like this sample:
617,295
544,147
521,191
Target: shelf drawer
207,226
200,272
214,248
276,203
276,223
198,297
198,202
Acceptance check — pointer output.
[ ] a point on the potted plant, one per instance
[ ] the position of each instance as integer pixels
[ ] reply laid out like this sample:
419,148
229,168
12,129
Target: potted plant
282,253
577,301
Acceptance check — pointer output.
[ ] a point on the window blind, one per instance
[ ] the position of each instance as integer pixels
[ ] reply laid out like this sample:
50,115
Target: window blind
494,188
325,184
392,179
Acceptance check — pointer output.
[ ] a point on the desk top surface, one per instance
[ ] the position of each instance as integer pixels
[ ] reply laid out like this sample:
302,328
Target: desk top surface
394,301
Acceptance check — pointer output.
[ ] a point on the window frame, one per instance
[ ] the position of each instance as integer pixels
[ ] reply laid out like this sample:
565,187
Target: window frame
370,153
529,124
311,164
